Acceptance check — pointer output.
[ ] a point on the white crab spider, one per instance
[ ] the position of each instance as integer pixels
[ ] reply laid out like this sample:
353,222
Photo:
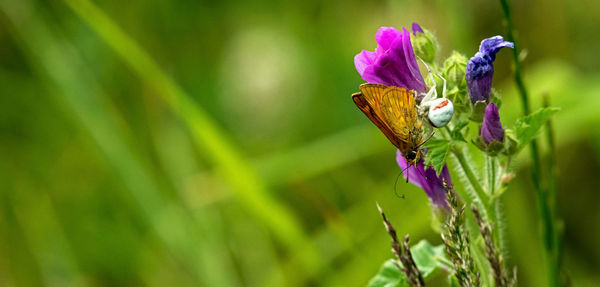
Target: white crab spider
439,111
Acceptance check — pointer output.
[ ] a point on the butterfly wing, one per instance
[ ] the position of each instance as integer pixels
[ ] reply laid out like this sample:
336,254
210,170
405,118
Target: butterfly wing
373,94
373,111
363,104
399,111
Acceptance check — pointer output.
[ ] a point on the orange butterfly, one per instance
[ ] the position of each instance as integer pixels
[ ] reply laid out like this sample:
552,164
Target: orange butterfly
393,110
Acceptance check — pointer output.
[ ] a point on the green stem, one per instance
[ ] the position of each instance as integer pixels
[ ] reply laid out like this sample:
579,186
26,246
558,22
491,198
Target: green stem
491,164
548,233
481,197
468,169
499,227
511,38
553,174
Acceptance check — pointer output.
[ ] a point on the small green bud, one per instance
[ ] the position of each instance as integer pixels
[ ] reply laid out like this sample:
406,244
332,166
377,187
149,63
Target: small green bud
425,45
453,71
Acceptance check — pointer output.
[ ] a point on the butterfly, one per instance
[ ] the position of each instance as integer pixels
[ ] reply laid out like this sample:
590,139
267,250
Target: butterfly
394,111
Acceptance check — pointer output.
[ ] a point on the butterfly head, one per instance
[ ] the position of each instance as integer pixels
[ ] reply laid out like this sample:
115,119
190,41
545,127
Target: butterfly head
413,156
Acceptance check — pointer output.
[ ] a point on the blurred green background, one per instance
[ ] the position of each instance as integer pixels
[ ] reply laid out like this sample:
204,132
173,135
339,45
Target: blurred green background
214,143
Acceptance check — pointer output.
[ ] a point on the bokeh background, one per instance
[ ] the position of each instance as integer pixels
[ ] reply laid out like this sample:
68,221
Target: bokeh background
214,143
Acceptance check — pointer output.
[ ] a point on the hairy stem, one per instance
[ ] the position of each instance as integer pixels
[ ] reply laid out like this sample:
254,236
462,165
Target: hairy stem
500,229
491,166
480,194
490,169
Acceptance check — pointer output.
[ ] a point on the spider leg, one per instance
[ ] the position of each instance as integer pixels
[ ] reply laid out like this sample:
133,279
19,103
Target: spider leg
444,88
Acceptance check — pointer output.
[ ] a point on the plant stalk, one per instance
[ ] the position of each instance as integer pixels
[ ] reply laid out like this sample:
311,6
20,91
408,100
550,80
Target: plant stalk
548,233
491,166
481,197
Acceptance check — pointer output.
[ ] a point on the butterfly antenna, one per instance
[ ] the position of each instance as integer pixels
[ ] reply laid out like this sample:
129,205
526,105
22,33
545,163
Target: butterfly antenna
425,141
395,184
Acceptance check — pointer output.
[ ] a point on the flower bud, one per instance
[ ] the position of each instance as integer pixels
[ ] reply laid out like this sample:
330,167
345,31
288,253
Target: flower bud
480,68
424,43
491,129
453,71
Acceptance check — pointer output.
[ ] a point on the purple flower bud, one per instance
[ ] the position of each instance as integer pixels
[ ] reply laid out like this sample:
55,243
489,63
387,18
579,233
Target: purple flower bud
427,179
480,68
393,63
416,28
491,129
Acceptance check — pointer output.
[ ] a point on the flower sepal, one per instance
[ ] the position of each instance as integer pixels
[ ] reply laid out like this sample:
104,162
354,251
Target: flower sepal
494,148
508,147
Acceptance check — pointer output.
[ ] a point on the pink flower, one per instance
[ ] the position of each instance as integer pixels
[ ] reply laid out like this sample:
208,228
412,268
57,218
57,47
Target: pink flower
393,63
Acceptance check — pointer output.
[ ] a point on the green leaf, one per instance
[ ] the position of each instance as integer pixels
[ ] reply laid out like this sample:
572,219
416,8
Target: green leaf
389,276
437,153
480,259
428,257
457,133
527,127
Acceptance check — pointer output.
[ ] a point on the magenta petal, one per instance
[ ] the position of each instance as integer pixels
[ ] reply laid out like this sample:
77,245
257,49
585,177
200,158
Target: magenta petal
416,78
427,179
363,60
393,63
384,37
413,175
